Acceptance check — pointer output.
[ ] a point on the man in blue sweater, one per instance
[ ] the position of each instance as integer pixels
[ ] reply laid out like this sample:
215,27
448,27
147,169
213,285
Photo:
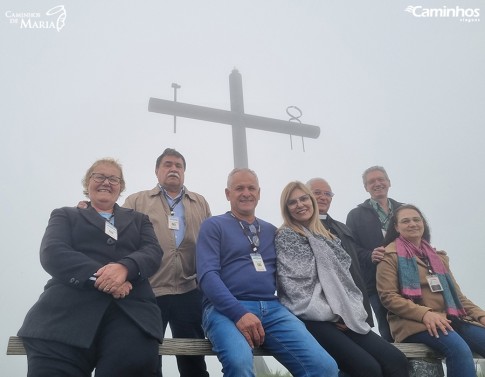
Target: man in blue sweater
236,264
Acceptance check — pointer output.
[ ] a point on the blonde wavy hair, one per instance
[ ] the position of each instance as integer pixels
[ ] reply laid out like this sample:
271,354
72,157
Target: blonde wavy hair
315,226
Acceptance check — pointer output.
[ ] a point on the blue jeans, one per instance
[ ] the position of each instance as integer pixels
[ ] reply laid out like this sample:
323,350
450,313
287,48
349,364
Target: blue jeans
381,315
457,347
285,337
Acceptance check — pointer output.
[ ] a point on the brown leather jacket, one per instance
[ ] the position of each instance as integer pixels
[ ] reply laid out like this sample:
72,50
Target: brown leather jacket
177,272
405,316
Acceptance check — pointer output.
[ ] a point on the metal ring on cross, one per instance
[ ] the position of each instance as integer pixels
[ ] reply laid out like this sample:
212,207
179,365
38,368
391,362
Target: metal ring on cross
294,117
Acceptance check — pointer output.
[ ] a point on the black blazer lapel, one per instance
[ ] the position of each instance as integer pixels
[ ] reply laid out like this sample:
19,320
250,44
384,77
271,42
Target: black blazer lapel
93,217
123,218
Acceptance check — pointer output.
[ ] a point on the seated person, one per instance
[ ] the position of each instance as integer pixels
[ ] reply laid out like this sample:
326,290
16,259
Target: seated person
315,283
425,303
236,268
98,309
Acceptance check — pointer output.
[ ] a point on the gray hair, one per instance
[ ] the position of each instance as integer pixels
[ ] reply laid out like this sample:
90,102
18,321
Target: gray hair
371,169
240,170
311,181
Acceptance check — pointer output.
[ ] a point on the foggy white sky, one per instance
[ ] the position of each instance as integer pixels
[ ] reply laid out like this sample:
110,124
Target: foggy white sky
386,88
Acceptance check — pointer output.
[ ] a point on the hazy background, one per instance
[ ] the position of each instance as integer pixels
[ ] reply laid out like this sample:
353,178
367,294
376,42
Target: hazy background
386,88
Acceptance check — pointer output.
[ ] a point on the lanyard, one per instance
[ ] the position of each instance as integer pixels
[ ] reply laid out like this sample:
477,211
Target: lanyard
176,201
104,215
425,259
428,266
253,237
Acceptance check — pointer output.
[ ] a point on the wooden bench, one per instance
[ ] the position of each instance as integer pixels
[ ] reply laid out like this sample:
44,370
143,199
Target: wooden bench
423,361
181,346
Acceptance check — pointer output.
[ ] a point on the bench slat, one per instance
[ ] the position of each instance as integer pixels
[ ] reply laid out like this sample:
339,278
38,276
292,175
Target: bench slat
181,346
170,346
15,346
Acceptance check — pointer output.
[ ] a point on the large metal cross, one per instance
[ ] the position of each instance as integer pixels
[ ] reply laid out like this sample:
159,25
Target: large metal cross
236,117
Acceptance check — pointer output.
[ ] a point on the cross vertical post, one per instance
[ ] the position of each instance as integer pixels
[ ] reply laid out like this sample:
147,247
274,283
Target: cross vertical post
239,142
175,86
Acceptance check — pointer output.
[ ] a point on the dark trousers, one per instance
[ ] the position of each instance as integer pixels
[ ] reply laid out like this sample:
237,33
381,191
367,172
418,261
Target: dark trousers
381,315
183,313
359,355
120,349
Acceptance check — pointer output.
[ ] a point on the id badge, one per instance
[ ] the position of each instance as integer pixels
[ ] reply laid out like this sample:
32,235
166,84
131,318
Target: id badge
434,283
258,262
173,223
111,230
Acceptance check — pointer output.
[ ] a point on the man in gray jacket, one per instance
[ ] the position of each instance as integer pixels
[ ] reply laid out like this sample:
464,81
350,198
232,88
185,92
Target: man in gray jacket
368,222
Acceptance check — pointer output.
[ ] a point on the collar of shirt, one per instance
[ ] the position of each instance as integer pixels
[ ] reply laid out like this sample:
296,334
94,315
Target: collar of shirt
169,198
383,216
109,217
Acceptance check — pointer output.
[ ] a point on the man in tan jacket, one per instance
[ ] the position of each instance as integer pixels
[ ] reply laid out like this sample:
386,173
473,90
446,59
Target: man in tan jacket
176,214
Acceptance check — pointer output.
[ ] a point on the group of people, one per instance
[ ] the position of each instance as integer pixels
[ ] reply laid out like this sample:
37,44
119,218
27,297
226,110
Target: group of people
302,291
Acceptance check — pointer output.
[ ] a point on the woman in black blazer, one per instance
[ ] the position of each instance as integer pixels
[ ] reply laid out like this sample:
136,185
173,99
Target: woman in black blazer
98,309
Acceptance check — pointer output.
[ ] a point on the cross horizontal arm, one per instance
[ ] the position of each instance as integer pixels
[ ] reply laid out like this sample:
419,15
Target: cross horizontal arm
208,114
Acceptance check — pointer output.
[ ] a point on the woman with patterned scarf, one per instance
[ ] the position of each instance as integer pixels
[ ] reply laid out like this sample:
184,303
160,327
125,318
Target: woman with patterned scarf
425,303
315,283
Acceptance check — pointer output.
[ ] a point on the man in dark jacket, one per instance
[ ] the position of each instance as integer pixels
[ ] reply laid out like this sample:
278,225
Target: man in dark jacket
323,193
368,222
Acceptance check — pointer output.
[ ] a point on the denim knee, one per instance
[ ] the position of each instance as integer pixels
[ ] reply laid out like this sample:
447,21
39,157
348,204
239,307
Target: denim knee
237,364
329,368
460,363
320,365
459,358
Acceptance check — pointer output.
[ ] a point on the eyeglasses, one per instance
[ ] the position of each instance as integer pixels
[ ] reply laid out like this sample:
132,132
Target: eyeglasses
328,194
406,220
294,202
376,180
254,235
100,178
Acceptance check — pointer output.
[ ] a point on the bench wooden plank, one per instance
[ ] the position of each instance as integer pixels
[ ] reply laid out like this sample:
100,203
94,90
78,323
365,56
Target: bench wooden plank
182,346
204,347
15,346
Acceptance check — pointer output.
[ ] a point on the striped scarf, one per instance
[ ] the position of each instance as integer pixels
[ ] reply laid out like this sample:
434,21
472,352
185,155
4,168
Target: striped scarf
409,275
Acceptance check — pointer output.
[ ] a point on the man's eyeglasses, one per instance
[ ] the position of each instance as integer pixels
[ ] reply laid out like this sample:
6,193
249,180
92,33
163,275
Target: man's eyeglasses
294,202
100,178
254,235
328,194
